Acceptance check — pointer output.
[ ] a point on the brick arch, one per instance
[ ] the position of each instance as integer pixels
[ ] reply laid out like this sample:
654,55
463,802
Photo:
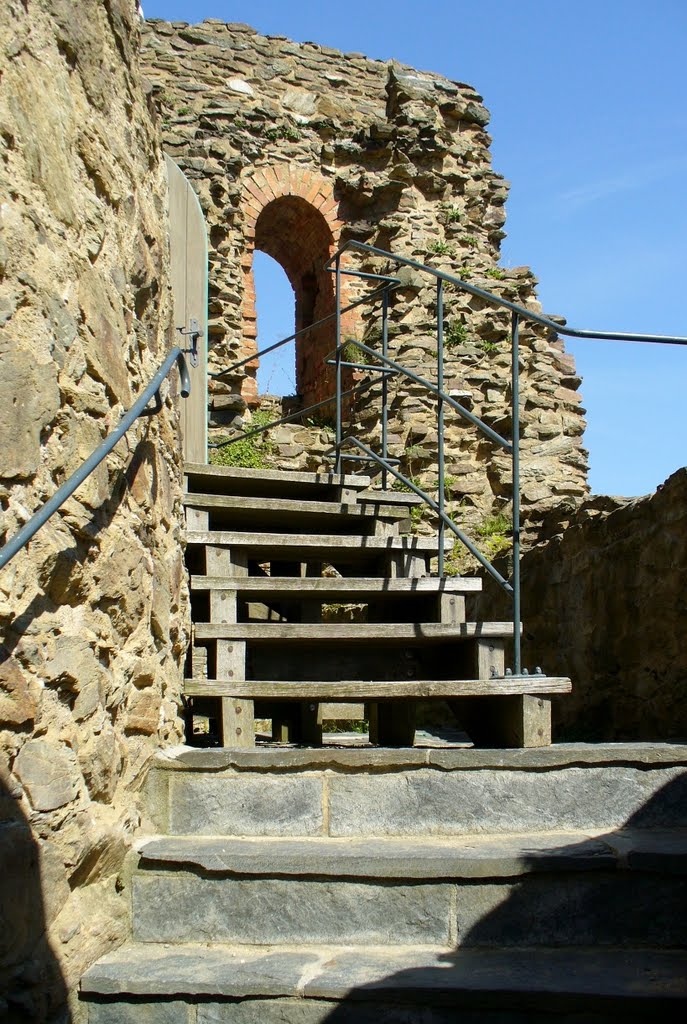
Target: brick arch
291,214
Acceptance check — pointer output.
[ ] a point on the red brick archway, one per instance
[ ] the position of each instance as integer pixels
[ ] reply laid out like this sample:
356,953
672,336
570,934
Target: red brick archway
290,214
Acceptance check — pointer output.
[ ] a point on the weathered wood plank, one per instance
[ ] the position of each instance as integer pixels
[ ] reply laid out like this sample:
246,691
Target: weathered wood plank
395,726
362,690
353,632
275,476
246,502
189,280
325,543
332,587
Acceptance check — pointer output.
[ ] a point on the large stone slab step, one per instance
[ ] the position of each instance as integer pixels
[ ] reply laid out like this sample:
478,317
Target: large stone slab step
600,906
271,482
541,889
419,792
374,690
423,857
200,984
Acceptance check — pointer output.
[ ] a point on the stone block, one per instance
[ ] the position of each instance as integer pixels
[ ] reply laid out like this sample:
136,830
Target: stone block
166,1011
246,805
436,803
283,910
18,695
603,909
48,773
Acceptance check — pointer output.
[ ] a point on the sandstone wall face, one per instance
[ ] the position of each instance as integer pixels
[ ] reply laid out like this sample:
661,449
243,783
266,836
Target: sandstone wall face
604,602
294,149
93,613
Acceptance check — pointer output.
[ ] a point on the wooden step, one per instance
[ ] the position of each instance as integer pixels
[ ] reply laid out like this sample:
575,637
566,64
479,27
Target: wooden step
274,482
390,497
322,544
345,588
296,513
353,632
364,690
473,855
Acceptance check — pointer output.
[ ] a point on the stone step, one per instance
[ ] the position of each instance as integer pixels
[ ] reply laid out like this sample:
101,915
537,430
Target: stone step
201,984
537,890
294,513
358,589
271,482
468,856
376,690
412,634
418,792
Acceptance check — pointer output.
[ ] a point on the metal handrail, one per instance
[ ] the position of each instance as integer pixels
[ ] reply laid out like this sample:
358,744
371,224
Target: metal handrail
299,414
65,491
390,282
497,300
462,537
518,314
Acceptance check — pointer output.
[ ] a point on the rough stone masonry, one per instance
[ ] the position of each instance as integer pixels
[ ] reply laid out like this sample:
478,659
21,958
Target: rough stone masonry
93,617
295,148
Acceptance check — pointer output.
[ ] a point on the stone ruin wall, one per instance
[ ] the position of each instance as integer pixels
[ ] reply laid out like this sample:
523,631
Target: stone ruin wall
93,614
294,149
604,602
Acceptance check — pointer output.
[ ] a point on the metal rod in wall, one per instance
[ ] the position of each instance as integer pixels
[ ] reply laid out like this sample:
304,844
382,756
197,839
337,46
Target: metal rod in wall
440,425
339,432
515,415
385,385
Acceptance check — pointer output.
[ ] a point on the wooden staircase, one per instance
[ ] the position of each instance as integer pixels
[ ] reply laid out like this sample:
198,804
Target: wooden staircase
271,554
302,884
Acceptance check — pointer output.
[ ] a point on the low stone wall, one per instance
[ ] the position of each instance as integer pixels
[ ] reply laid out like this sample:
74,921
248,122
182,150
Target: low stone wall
605,602
92,613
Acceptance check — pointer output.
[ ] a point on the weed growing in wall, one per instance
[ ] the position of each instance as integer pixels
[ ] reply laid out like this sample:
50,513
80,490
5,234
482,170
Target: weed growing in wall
455,333
247,453
441,249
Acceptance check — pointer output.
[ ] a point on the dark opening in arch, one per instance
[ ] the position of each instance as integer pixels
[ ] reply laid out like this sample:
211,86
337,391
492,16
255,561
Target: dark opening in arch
297,236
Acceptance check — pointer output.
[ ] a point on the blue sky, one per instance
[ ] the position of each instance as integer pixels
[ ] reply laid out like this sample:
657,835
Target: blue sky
589,121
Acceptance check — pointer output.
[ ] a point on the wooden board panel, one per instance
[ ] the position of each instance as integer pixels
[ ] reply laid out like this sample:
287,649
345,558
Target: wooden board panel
189,278
314,543
333,587
357,690
238,474
299,508
354,632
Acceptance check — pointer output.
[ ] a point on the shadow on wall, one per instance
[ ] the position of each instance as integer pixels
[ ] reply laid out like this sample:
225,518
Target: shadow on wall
63,576
577,897
32,988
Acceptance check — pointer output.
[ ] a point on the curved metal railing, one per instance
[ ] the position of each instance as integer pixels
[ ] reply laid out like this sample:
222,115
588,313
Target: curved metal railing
385,366
518,314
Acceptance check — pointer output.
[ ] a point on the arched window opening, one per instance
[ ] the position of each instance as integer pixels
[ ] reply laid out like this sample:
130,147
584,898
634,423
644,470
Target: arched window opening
297,236
275,307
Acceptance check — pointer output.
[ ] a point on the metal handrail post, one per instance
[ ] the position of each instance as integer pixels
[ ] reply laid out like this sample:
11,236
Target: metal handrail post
339,431
385,385
440,425
515,416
